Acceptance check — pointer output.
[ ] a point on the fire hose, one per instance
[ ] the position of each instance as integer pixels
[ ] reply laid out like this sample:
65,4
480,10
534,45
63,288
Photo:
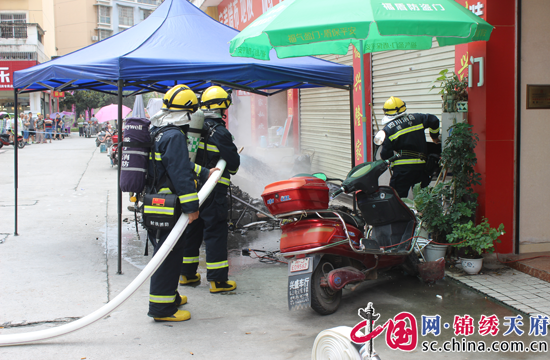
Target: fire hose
144,275
335,343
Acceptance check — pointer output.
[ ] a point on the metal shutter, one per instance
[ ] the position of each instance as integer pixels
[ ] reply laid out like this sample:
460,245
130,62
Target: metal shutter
409,75
325,125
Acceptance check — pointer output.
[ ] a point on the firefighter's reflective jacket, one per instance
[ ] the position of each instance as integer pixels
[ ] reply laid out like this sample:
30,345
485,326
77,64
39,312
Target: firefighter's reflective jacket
406,135
175,173
219,143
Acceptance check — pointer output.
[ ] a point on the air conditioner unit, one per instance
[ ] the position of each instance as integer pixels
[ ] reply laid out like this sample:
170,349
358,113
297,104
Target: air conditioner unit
95,38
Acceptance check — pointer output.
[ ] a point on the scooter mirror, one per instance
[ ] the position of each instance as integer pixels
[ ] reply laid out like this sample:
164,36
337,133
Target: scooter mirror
320,176
380,137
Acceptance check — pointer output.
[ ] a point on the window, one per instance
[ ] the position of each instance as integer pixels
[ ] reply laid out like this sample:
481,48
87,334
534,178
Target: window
13,18
145,13
126,16
13,26
104,13
104,34
150,2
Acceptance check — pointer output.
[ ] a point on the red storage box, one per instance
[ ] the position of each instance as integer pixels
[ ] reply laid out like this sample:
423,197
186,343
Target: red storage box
114,138
298,193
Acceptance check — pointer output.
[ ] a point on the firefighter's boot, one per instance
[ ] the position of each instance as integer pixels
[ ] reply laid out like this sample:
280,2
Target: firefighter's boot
183,300
220,286
180,315
185,280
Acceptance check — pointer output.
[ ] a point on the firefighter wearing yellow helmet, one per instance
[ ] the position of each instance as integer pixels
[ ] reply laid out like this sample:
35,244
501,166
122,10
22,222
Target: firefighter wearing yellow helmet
171,172
212,222
405,134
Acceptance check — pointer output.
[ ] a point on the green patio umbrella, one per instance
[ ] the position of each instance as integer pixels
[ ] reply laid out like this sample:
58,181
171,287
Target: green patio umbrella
316,27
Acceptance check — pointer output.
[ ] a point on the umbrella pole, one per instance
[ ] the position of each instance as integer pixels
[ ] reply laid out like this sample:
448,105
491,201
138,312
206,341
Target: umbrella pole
364,103
15,148
119,191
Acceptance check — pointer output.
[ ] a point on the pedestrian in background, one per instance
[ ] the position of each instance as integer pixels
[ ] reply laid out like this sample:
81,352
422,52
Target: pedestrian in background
32,128
48,126
39,129
58,124
25,128
80,125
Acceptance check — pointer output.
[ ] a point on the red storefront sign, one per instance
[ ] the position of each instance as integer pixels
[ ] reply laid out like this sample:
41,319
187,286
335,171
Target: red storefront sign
6,72
240,13
58,94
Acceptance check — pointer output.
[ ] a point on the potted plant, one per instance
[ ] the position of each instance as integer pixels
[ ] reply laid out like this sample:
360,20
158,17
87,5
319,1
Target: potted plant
453,91
476,241
454,201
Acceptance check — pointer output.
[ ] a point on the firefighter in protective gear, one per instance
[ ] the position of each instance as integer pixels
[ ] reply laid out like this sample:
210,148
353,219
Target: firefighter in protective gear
212,223
405,135
175,174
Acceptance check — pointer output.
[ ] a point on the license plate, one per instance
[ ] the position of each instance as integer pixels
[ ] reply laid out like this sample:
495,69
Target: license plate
299,265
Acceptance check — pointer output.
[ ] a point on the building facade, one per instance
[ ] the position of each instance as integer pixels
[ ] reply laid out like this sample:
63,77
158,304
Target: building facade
509,104
80,23
27,37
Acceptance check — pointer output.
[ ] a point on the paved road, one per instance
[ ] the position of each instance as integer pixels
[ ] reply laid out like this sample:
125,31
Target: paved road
63,266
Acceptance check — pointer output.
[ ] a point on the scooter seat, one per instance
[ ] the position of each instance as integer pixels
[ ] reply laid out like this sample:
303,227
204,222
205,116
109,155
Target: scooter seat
351,220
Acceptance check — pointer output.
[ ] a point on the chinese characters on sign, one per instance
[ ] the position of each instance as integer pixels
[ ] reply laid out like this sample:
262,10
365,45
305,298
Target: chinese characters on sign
240,13
299,291
5,78
477,8
412,7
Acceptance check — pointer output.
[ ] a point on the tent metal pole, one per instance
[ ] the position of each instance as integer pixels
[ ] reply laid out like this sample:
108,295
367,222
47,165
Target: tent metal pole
119,191
15,148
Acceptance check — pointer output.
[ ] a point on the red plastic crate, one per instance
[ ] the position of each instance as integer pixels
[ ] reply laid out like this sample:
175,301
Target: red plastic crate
298,193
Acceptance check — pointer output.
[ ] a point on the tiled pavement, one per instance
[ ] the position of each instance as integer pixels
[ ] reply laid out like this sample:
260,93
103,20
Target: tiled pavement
523,292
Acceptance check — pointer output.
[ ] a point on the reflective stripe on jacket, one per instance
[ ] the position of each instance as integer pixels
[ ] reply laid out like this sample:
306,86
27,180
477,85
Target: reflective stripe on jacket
220,144
406,135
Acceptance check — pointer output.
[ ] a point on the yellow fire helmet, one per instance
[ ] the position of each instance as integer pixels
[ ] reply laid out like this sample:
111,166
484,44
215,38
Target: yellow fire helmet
215,97
394,108
180,98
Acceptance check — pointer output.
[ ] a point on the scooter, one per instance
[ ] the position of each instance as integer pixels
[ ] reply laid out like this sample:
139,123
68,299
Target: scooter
328,248
5,140
113,150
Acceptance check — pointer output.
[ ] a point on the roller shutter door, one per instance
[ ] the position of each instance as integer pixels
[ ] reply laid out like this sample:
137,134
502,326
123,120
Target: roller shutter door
409,76
325,125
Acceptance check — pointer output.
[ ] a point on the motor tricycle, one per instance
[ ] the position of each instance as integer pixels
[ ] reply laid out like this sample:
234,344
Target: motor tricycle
5,140
329,248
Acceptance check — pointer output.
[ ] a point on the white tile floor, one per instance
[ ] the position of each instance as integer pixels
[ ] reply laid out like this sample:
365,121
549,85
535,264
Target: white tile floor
511,287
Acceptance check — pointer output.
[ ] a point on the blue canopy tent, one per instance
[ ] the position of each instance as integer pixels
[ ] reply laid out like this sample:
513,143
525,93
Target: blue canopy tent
178,43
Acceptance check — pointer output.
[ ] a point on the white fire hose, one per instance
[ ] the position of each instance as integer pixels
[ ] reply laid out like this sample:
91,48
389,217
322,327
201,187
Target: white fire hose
144,275
335,344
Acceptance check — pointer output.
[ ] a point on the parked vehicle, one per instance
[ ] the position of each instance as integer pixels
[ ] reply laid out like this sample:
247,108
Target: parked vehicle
113,150
5,140
331,247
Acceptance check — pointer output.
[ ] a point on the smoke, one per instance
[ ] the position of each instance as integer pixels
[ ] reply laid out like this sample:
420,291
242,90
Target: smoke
249,118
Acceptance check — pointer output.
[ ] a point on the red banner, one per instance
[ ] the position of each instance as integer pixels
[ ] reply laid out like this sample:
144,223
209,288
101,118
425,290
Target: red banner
6,72
58,94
